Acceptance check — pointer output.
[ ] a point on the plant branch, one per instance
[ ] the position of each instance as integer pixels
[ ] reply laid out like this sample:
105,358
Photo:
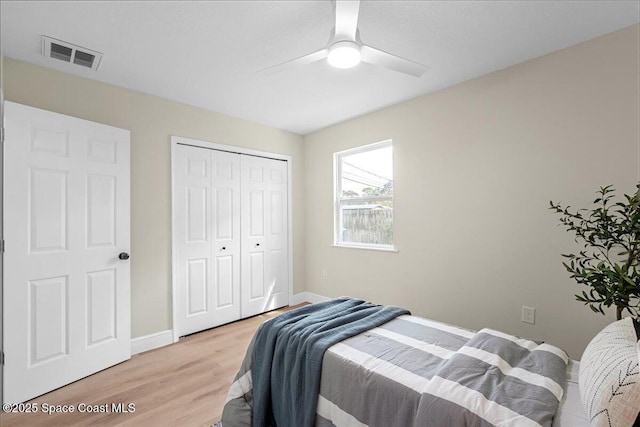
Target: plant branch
610,237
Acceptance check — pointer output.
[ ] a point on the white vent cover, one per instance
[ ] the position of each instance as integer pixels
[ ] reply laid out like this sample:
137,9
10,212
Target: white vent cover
71,53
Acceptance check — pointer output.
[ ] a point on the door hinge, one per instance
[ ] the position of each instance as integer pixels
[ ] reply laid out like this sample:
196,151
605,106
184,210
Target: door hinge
1,135
2,358
2,247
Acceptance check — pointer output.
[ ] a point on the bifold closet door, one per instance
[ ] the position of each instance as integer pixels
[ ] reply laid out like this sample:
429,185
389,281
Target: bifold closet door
207,211
265,273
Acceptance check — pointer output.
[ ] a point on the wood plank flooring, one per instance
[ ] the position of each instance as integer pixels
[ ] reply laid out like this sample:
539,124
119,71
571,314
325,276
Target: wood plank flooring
183,384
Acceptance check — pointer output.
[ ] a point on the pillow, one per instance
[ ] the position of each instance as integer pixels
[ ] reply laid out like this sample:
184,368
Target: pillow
610,376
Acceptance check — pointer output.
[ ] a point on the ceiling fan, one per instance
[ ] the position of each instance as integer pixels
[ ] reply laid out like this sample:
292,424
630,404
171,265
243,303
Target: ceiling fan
346,50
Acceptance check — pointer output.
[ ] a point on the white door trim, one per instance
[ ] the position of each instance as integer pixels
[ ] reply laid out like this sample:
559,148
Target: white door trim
177,140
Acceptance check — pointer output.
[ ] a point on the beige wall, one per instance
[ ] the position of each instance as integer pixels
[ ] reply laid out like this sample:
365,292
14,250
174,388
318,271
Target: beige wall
475,167
152,121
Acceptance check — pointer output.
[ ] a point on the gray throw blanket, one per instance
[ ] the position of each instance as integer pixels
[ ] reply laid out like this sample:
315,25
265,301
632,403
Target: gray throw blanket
288,353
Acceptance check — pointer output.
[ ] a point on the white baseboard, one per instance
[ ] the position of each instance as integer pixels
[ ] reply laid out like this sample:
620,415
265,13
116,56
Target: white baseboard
162,338
151,341
308,297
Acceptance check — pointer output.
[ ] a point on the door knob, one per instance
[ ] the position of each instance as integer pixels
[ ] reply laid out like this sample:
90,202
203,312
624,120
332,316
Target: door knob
123,255
224,248
257,244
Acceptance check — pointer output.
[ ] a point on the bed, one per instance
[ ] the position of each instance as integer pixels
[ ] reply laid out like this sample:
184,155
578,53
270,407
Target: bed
350,363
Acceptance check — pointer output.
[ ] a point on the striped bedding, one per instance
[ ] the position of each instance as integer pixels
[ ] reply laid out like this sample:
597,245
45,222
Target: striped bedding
412,371
416,372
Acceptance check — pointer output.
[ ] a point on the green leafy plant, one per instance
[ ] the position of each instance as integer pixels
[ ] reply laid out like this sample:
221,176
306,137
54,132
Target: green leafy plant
609,259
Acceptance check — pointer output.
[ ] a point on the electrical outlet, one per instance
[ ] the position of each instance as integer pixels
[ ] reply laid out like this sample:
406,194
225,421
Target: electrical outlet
325,275
528,315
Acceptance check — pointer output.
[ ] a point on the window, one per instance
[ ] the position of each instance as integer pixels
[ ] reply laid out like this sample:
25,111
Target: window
364,196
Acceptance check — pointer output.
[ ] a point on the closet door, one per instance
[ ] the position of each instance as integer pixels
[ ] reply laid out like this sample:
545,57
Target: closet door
207,211
225,196
265,274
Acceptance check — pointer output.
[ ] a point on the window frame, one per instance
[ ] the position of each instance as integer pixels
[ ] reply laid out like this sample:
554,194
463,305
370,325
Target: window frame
338,201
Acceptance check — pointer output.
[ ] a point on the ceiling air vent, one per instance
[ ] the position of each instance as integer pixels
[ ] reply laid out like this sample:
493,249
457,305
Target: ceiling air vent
71,53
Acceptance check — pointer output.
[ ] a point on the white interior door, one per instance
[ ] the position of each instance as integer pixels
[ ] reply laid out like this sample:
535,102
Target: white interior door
265,274
66,223
1,234
207,219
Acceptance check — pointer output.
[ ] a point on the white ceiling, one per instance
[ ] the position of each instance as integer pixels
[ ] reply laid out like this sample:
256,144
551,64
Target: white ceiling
207,54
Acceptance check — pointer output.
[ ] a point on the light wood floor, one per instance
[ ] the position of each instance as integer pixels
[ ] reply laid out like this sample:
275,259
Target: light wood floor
183,384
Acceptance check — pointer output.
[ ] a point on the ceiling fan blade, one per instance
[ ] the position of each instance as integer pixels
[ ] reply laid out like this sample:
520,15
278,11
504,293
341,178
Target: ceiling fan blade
378,57
346,19
303,60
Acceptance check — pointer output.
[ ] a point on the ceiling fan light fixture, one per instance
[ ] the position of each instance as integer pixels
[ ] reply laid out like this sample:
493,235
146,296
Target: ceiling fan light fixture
344,54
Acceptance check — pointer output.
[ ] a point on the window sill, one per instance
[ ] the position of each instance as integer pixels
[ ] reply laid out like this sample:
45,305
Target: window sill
367,248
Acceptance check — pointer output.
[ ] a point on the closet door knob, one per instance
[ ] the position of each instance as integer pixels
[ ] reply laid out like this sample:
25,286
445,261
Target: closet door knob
257,244
123,256
224,248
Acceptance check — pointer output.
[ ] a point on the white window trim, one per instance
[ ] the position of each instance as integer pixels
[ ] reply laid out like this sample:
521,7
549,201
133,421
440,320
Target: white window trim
337,191
365,246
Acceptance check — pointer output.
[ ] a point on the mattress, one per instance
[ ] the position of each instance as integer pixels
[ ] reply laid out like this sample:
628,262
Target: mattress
571,412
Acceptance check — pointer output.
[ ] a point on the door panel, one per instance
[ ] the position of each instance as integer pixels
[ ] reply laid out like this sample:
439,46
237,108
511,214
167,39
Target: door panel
101,306
256,274
265,239
197,284
197,214
47,210
226,237
276,259
256,213
224,213
277,214
101,151
225,275
277,234
66,220
101,210
48,320
53,141
207,238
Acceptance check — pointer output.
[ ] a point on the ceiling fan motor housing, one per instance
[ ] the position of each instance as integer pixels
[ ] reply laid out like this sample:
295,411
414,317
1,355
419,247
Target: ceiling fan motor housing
344,54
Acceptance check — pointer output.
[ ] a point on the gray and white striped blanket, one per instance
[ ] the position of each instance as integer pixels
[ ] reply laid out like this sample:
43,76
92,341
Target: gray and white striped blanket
416,372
